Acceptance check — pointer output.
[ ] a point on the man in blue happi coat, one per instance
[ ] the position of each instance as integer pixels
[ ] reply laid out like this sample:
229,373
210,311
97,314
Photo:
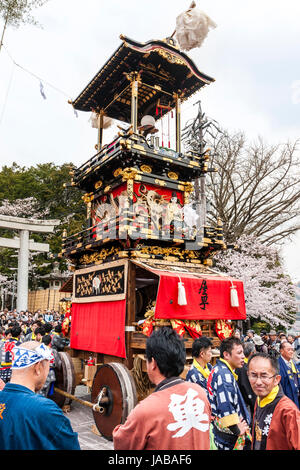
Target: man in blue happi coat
290,372
231,419
29,421
201,367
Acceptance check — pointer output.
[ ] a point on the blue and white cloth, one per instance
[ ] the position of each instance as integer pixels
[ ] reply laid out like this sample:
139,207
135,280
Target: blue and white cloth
227,404
194,375
27,357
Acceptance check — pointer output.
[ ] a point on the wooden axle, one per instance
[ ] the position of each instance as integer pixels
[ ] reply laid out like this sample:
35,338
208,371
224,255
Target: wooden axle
100,409
113,394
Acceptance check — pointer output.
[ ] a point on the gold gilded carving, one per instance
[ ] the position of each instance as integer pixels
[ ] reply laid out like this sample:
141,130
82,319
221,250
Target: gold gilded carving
172,58
87,197
117,172
130,188
98,184
167,252
160,182
125,144
139,147
129,174
99,256
146,168
104,282
189,188
172,175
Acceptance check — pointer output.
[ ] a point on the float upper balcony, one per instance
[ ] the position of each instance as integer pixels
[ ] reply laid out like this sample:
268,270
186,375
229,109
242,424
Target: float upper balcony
134,151
162,71
140,79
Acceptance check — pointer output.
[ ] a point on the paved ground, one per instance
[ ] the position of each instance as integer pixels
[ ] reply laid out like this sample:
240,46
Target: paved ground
82,421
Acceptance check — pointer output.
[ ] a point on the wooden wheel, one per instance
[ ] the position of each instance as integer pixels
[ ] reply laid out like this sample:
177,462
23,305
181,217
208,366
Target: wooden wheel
65,378
114,383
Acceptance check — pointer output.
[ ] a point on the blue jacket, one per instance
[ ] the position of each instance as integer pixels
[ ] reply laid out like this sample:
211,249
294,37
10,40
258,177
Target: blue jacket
227,403
195,376
290,382
32,422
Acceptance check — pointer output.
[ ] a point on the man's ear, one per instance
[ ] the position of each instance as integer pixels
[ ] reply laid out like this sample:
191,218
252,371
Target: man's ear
226,355
277,379
153,364
37,368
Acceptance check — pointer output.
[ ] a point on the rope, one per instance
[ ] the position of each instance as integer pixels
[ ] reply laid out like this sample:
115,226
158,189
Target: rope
33,74
141,379
7,92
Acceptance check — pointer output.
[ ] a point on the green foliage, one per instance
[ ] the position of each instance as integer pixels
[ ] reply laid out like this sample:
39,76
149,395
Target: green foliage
46,183
260,325
17,12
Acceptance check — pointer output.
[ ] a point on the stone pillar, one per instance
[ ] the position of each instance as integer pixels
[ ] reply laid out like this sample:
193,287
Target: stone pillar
22,297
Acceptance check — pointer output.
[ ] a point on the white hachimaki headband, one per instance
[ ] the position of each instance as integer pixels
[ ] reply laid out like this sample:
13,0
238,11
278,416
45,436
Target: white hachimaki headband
27,357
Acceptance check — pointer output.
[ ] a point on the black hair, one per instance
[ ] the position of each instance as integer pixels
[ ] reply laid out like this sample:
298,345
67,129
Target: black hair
273,361
282,344
16,331
228,344
40,331
48,327
58,329
46,340
199,344
167,348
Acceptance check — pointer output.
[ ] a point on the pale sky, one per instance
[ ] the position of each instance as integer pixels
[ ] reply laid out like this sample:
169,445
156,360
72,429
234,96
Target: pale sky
253,54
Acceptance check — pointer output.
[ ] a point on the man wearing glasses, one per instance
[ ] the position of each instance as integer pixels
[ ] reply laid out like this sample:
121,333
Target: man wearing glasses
276,420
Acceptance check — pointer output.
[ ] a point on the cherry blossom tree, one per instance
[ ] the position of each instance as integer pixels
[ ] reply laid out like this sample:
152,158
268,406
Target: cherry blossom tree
269,293
27,207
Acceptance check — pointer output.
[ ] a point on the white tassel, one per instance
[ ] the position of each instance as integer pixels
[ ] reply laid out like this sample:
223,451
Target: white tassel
181,294
234,299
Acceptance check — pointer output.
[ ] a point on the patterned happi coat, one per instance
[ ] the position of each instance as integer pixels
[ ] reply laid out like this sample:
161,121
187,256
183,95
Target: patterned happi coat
194,375
227,404
6,357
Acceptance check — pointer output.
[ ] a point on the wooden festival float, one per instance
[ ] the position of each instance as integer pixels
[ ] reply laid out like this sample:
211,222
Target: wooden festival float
142,262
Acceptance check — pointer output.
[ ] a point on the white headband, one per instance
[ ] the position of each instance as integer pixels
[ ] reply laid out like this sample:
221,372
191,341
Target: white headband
27,357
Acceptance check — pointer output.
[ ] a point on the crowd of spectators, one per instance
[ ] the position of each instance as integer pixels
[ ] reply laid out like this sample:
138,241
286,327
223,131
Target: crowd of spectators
20,327
270,342
33,325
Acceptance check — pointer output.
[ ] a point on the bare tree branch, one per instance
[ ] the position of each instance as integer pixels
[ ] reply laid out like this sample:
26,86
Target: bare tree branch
256,189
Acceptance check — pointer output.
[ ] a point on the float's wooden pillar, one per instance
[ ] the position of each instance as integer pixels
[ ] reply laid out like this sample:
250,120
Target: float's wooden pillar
134,101
100,130
130,313
178,123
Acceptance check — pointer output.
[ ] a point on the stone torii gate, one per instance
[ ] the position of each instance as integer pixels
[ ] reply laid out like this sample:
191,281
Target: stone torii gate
24,245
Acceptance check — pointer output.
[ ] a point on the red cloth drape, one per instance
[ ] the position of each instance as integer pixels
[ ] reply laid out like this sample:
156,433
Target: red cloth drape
99,327
208,298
